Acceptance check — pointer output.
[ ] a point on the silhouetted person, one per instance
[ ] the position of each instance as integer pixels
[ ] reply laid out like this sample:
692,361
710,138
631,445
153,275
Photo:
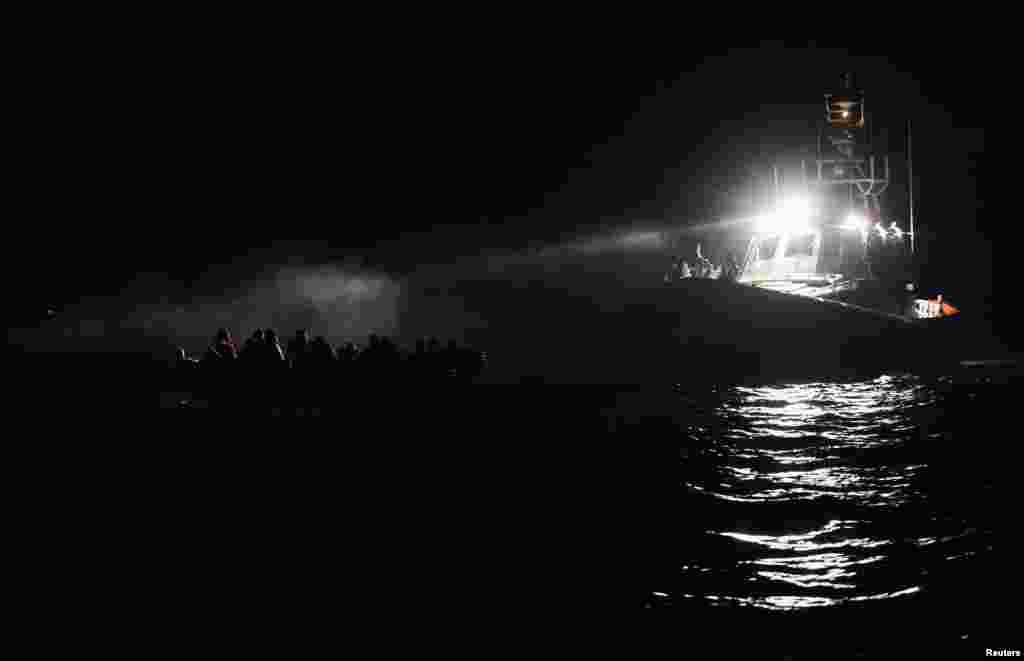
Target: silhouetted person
390,358
376,363
674,272
346,364
875,240
273,370
894,235
418,360
320,370
734,267
253,347
219,363
322,357
222,351
347,353
895,250
251,359
451,359
184,361
703,268
434,365
298,349
273,359
186,371
321,351
298,384
367,357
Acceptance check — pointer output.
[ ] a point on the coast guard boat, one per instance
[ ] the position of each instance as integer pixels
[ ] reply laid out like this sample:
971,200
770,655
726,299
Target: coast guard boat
826,284
828,235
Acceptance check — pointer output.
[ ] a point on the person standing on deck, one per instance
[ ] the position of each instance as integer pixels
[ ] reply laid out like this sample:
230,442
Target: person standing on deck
873,250
673,273
703,268
219,364
298,350
223,348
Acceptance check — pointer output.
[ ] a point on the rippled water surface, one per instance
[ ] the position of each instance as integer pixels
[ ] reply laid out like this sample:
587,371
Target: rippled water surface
896,490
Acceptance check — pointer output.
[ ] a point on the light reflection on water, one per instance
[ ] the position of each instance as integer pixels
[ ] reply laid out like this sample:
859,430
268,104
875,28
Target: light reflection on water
818,494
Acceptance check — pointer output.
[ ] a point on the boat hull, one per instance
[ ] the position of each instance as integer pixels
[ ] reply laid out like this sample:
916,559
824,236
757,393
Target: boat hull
612,319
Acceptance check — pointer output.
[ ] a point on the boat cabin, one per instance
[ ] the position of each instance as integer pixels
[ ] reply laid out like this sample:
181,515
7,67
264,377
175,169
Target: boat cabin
818,255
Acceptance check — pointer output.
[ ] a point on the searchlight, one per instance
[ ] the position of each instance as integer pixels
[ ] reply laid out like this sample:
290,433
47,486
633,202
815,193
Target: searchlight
855,222
792,216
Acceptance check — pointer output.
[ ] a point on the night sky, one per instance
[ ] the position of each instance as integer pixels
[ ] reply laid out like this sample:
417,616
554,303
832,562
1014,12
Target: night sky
176,151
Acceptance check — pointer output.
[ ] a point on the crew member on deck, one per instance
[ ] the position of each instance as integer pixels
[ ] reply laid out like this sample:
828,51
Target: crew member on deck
703,268
734,267
674,272
894,237
875,237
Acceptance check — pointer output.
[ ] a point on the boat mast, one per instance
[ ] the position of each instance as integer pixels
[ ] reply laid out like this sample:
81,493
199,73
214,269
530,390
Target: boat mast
910,186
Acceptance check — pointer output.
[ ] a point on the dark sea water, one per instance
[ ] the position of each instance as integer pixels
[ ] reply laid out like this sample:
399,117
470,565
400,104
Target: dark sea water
866,517
872,515
890,503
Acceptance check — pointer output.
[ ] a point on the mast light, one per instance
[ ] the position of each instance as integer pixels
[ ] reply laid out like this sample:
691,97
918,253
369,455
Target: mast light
845,110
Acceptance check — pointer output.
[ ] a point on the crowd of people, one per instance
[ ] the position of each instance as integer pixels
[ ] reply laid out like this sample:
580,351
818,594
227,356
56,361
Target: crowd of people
307,367
728,269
